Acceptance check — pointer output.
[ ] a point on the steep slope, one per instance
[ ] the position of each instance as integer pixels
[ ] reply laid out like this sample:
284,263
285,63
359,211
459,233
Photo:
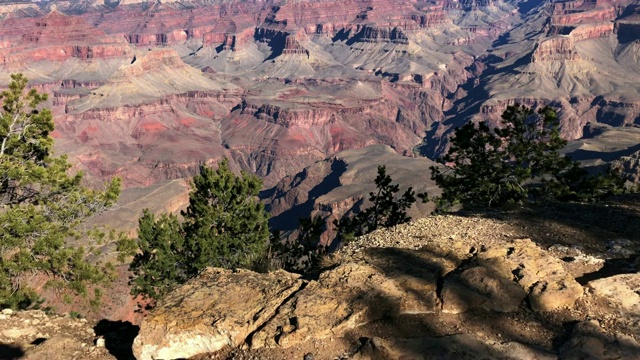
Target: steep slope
341,184
579,57
337,75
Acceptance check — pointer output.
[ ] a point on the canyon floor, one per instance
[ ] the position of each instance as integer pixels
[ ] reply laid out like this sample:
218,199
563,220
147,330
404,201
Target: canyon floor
422,313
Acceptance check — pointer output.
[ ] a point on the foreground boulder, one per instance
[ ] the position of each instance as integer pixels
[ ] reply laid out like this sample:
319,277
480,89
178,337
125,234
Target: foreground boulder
500,277
224,307
382,283
218,308
264,312
623,291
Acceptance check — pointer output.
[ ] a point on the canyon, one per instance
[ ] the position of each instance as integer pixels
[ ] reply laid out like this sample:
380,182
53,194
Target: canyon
314,95
148,91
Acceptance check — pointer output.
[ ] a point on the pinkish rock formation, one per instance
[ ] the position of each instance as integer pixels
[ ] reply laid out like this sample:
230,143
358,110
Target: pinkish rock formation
271,84
554,49
55,37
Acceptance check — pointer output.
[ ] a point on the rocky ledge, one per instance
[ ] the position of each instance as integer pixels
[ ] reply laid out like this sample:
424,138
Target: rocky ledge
441,287
36,335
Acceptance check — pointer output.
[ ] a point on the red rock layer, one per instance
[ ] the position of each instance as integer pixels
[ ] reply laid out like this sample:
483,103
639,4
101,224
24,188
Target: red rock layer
574,17
554,49
55,37
592,31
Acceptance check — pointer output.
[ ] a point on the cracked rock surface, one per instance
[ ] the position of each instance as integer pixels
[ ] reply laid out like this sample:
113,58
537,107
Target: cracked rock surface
218,308
439,287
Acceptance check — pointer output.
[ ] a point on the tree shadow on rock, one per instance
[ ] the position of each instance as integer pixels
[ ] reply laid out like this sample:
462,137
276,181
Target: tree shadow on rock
421,275
589,226
611,267
118,336
10,352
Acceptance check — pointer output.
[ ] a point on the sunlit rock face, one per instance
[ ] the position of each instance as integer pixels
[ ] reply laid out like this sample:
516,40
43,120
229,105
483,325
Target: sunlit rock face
149,91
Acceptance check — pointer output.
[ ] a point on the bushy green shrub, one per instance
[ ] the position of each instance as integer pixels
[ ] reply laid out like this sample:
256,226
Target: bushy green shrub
41,206
224,225
516,162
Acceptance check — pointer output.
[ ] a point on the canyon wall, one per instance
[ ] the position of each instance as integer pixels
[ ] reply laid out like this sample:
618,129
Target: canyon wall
148,91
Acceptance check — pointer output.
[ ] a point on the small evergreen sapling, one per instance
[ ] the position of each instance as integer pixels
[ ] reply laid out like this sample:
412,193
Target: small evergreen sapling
387,209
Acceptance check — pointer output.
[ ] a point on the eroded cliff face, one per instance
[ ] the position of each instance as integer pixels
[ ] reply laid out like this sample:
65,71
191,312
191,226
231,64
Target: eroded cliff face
148,90
583,61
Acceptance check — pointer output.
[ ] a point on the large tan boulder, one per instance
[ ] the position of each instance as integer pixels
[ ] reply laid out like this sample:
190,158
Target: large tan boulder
460,347
500,277
218,308
383,282
223,307
623,291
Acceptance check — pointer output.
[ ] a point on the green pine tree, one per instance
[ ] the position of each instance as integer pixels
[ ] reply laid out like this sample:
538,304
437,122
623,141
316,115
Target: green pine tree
224,226
514,163
387,209
41,205
302,254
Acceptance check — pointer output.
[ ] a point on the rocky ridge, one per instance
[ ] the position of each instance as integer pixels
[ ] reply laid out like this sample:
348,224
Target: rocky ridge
455,285
522,283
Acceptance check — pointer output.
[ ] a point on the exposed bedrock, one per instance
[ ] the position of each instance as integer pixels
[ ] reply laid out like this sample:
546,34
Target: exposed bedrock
469,4
555,49
564,7
308,117
592,31
293,47
227,40
432,19
617,113
55,37
170,24
584,31
376,34
573,18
